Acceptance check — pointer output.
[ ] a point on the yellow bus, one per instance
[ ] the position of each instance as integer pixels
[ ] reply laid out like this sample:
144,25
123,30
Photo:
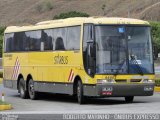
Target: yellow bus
94,57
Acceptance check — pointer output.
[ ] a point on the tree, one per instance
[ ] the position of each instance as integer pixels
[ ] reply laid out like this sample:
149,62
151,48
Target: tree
104,9
1,39
156,37
70,14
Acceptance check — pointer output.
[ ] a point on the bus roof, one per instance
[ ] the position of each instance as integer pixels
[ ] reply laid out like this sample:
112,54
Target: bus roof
75,21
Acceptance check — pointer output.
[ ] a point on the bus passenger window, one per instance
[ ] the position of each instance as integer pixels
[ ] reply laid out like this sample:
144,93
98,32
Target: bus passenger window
46,38
59,44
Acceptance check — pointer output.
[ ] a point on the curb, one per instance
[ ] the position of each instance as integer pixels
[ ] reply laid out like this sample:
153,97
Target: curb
5,107
156,89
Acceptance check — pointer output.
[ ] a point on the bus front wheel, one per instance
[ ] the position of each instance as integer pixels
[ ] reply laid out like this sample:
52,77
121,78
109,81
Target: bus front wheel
21,89
129,99
80,96
32,92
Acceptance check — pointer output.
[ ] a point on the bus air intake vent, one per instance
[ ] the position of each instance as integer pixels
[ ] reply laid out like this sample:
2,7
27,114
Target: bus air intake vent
135,80
121,81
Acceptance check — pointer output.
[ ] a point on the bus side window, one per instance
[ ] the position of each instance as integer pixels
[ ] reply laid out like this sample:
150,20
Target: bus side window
73,38
34,39
47,39
9,46
59,44
88,59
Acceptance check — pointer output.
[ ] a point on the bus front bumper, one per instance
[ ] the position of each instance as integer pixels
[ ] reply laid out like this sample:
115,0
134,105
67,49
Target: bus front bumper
119,90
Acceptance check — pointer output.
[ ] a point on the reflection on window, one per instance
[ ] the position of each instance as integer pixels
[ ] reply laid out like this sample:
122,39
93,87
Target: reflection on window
47,39
9,44
60,38
67,38
73,38
59,44
33,40
110,50
140,48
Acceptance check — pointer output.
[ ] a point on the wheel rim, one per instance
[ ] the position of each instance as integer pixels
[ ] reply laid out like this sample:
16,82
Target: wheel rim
31,89
78,93
21,90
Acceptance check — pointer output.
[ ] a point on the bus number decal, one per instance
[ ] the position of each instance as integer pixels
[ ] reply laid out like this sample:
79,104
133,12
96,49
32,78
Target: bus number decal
60,59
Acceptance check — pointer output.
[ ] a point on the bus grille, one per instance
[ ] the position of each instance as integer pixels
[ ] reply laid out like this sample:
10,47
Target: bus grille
135,80
121,81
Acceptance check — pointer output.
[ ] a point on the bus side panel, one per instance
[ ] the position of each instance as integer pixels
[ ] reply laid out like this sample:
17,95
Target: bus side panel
14,64
57,71
39,64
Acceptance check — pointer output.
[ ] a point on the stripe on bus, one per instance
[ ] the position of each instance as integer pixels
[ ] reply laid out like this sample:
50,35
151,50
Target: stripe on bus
16,69
70,78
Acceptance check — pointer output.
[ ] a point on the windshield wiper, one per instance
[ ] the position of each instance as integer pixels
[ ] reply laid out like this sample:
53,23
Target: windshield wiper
136,63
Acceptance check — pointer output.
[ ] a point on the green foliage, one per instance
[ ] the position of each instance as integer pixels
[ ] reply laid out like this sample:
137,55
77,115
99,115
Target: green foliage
70,14
103,9
1,74
156,37
49,5
1,39
157,82
39,8
3,103
44,6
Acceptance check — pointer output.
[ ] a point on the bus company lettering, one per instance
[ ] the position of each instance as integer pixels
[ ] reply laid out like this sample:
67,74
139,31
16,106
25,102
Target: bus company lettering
60,59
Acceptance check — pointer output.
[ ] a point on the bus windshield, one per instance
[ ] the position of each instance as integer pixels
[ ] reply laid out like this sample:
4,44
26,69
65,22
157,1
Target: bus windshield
123,49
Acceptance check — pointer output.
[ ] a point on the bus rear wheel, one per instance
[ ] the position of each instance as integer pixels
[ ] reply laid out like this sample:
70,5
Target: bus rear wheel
129,99
21,89
32,92
80,97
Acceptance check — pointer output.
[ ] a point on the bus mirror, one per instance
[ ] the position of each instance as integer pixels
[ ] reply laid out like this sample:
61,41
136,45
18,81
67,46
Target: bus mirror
89,41
90,49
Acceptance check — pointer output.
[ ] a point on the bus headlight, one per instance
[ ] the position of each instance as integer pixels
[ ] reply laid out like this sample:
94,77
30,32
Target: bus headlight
148,81
102,81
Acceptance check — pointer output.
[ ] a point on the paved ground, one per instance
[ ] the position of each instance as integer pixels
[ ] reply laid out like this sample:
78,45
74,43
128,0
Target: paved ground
50,103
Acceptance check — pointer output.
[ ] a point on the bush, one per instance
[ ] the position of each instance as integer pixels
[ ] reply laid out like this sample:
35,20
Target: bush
49,5
1,39
157,82
156,37
39,8
46,5
70,14
1,74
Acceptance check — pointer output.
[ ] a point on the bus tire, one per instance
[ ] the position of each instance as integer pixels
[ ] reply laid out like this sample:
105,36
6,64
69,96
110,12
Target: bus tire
31,91
21,89
80,96
129,99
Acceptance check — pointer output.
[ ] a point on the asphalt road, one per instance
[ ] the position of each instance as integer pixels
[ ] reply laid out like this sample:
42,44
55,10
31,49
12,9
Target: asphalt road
52,103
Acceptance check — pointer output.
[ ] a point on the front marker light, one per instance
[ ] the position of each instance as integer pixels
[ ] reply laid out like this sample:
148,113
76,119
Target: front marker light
148,81
103,81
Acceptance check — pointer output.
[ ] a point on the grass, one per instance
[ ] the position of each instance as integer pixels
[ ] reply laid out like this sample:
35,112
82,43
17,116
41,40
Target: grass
45,6
157,89
3,103
0,80
5,106
1,76
157,82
